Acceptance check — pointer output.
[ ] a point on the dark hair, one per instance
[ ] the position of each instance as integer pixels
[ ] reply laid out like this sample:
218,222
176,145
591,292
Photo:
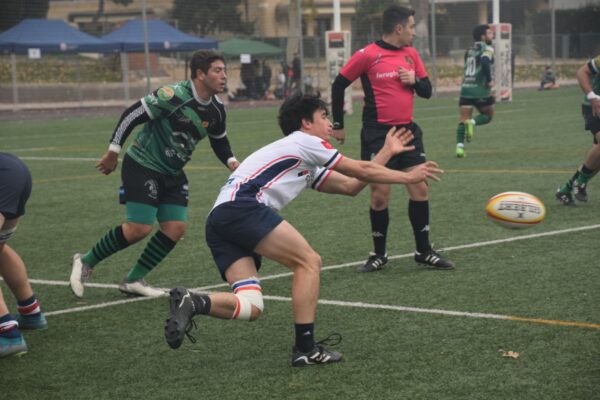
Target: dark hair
394,15
296,108
480,30
202,59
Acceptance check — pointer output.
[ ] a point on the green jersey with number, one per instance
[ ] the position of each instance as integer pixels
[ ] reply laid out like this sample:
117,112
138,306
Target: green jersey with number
179,120
474,85
594,66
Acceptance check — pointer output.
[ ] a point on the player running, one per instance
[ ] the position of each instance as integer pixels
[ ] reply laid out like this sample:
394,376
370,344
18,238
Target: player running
175,118
476,87
588,77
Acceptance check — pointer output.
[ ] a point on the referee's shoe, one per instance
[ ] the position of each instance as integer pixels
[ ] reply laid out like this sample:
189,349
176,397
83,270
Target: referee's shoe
433,259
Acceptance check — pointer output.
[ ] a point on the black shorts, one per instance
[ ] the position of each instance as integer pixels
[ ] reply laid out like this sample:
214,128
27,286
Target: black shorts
15,186
146,186
477,103
592,123
372,138
234,229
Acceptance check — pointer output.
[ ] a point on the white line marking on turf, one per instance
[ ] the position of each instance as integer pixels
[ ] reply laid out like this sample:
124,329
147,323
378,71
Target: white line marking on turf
345,303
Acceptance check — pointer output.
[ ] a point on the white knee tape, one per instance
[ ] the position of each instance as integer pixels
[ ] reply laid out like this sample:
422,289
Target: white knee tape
6,234
248,293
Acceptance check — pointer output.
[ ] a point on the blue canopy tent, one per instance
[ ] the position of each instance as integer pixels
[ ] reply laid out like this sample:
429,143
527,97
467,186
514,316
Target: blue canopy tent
48,36
161,37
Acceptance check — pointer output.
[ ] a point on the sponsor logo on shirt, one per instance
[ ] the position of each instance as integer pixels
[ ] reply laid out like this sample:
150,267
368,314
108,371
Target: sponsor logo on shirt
165,93
384,75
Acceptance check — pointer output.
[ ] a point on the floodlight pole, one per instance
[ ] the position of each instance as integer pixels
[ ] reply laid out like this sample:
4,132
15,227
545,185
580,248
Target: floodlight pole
300,45
146,49
553,28
337,19
433,48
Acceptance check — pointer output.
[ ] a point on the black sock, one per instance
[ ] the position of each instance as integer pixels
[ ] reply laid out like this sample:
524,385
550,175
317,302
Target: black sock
418,213
379,226
201,303
305,339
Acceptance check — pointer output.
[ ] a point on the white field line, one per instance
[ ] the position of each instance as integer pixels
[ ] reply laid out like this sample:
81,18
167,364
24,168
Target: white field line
205,289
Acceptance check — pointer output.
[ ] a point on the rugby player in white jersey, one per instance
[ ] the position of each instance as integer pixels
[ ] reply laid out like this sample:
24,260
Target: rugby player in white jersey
244,224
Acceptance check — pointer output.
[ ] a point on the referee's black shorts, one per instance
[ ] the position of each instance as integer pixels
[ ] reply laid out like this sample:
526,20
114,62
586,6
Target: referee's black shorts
372,138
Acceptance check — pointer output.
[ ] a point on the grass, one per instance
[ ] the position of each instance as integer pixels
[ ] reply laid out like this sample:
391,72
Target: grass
396,345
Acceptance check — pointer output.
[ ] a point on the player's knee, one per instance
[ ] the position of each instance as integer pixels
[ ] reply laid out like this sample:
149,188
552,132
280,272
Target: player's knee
248,295
174,229
311,262
6,234
135,232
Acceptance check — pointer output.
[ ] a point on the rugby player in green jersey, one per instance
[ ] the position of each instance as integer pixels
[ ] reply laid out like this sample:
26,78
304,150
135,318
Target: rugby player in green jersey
476,89
175,118
588,77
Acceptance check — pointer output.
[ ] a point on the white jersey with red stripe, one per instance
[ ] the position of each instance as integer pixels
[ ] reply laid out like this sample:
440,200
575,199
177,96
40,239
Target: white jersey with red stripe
277,173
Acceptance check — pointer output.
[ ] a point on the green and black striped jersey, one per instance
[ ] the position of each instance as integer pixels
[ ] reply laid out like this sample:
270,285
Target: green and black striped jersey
475,83
179,119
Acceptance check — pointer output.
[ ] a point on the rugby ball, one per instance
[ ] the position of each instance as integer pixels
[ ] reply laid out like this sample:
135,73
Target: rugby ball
515,210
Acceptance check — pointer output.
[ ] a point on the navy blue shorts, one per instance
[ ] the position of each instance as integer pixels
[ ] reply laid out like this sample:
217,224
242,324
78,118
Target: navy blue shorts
234,229
15,186
372,138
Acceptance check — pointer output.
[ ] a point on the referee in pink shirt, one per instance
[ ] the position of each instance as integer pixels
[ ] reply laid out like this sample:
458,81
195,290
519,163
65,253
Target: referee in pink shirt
391,71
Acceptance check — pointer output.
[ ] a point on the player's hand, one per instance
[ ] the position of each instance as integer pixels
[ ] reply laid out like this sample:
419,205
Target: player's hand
233,165
339,135
407,76
595,103
397,140
491,83
425,171
108,162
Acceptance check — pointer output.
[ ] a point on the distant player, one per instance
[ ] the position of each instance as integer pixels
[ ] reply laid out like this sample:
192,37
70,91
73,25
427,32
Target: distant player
476,89
15,188
588,77
244,224
155,188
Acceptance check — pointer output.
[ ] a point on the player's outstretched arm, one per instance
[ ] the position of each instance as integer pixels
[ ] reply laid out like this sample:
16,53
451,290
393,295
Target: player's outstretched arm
396,142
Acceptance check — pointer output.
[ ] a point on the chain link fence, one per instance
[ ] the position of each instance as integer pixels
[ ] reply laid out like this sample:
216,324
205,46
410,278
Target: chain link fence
443,33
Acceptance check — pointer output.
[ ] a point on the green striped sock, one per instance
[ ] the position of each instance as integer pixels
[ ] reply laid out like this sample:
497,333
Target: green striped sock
481,119
460,133
156,250
110,243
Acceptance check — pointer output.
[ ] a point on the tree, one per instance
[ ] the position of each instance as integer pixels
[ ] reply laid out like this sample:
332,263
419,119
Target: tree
212,16
368,19
14,11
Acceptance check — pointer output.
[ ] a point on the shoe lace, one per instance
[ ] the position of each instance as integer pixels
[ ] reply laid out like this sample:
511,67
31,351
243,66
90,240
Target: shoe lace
192,325
332,340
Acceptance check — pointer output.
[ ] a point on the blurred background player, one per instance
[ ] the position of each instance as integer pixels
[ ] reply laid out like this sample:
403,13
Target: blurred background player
244,224
15,188
175,117
548,80
588,76
476,89
391,72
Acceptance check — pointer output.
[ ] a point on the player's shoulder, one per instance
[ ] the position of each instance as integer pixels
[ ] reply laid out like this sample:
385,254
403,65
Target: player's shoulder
177,89
595,62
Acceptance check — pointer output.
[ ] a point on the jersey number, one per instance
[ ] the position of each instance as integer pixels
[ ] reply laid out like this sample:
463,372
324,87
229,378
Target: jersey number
471,66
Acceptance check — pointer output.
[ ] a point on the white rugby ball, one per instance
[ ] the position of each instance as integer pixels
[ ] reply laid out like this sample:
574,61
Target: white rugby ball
515,210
